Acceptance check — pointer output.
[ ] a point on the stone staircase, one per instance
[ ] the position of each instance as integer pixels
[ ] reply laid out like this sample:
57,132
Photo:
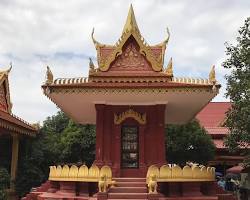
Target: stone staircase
128,188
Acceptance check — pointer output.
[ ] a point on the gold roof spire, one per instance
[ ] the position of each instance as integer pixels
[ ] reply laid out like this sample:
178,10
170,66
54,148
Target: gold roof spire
131,21
212,77
169,69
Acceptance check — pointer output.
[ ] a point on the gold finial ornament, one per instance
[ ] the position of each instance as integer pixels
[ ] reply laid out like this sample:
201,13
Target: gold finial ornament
212,78
130,24
8,71
91,67
49,76
169,69
96,43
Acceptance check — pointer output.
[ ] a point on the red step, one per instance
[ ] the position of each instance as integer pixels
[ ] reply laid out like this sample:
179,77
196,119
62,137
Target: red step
130,179
130,184
128,190
127,195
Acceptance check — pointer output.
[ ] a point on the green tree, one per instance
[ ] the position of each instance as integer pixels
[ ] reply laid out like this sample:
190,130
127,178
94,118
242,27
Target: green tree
188,142
59,141
4,183
238,89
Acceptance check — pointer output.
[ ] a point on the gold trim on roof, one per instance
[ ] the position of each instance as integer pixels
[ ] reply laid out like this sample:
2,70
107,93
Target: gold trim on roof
130,113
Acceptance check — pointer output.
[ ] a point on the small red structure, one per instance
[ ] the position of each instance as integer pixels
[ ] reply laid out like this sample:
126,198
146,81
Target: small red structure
130,97
212,118
12,130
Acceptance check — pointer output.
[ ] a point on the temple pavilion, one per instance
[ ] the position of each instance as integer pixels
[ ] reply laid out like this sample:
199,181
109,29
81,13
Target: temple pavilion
12,130
130,95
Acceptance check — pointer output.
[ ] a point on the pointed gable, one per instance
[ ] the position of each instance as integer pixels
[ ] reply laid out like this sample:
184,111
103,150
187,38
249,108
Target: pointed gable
130,47
5,104
131,59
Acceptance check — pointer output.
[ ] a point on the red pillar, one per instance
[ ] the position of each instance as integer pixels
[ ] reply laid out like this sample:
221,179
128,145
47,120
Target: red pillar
99,134
160,110
142,149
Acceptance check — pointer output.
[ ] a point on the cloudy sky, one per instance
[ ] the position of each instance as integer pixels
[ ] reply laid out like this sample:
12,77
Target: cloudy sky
57,33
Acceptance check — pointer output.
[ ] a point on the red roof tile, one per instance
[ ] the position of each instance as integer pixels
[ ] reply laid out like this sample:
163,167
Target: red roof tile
214,114
217,130
17,124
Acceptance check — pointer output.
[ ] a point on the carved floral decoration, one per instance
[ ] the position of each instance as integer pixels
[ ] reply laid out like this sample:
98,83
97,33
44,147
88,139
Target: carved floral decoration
130,113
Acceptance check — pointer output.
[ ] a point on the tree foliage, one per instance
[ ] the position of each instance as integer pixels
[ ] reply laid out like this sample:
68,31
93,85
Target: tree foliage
4,183
238,89
59,141
188,142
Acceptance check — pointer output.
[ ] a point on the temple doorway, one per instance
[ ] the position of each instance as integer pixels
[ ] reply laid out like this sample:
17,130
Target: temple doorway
130,147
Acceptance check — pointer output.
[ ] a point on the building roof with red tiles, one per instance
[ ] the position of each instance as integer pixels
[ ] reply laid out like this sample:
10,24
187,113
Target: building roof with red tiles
214,114
212,118
16,124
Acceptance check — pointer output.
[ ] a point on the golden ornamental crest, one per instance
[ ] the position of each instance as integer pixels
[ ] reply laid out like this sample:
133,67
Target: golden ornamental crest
130,113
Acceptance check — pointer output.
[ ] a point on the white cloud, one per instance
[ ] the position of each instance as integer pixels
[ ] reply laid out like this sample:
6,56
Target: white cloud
36,33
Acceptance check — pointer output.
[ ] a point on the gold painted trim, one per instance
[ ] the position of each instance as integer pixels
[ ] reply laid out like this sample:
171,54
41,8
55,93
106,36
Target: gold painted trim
130,113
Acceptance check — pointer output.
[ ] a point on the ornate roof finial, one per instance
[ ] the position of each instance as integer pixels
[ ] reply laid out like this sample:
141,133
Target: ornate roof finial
8,70
212,78
97,44
167,39
169,69
49,76
91,66
130,22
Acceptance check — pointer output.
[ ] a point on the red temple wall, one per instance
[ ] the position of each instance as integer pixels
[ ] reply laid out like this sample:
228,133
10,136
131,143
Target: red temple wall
151,138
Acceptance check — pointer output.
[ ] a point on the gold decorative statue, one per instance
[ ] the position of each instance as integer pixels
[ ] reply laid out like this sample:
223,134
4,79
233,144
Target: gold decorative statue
49,76
102,184
152,185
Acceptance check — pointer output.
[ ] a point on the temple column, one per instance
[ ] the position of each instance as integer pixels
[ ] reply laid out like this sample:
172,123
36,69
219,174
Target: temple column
117,150
161,134
99,134
14,160
142,149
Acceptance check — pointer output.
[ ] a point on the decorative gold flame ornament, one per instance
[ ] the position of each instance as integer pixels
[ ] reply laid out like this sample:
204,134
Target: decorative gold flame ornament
49,76
169,70
212,78
130,113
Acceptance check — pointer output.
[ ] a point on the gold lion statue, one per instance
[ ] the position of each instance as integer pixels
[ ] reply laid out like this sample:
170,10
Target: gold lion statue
102,185
152,184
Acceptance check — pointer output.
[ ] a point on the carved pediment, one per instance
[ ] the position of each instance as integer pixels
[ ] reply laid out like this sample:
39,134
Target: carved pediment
131,59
